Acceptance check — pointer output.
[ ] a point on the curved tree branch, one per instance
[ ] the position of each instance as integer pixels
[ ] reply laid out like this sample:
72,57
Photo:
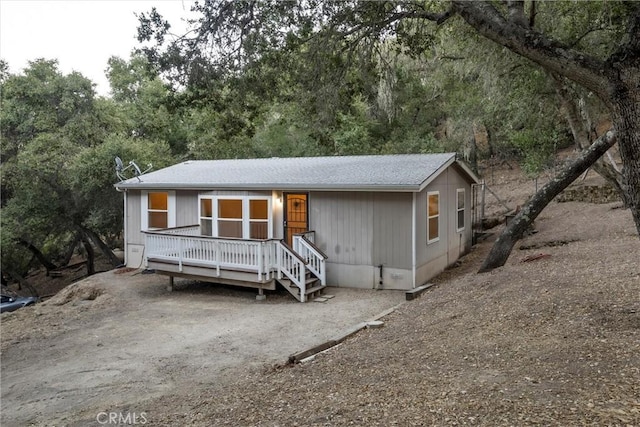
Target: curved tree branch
42,258
586,70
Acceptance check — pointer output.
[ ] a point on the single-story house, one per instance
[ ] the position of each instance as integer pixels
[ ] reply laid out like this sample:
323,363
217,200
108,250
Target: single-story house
380,221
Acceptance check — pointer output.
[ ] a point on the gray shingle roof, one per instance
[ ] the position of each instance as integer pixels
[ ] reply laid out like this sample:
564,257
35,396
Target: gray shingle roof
402,172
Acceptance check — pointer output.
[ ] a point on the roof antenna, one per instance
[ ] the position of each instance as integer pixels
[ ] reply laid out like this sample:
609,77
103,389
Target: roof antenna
121,169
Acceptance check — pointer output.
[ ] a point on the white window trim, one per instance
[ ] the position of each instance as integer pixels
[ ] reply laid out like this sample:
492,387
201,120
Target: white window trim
464,208
200,216
246,211
246,207
171,209
216,218
430,193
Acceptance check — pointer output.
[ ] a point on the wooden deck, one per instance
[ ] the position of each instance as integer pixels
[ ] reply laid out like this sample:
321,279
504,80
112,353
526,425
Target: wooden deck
183,252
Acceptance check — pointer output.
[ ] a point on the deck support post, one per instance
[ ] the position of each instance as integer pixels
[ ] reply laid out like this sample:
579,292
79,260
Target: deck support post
170,287
261,296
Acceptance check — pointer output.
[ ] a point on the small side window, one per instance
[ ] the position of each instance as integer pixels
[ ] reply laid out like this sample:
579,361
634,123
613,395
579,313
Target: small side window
460,208
206,217
433,216
258,219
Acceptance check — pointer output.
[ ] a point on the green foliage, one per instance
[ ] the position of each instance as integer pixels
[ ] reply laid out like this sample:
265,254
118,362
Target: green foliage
218,135
58,170
43,100
537,149
92,175
285,132
40,210
352,136
413,142
144,102
593,27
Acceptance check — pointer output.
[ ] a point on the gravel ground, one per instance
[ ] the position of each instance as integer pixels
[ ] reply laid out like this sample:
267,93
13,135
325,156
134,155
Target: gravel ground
111,342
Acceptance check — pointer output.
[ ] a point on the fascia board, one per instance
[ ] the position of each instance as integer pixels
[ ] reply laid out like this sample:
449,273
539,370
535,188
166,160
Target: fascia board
435,174
281,187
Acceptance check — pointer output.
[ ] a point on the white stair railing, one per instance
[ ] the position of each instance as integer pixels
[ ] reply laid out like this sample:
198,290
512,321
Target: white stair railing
314,257
293,266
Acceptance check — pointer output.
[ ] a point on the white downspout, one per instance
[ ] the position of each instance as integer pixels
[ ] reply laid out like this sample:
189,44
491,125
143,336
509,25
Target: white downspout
124,234
413,240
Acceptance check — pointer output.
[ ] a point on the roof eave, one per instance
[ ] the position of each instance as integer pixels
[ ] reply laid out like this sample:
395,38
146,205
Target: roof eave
265,187
437,172
472,177
475,179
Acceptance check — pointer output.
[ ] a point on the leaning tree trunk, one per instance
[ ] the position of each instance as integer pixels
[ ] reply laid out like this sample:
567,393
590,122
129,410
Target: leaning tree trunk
582,135
91,256
22,281
70,250
42,258
101,245
520,223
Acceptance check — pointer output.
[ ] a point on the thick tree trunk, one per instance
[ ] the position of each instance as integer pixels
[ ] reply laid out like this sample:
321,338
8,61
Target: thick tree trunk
582,136
113,259
520,223
46,263
22,281
70,250
626,119
91,256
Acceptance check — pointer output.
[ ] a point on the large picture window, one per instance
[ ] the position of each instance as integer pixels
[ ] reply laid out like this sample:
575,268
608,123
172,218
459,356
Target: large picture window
433,216
158,210
239,217
230,218
460,208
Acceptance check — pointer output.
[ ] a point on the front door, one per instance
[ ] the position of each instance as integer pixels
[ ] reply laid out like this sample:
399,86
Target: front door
296,215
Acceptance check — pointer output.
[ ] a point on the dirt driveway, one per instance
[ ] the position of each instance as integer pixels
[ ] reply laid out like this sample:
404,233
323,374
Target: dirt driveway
117,340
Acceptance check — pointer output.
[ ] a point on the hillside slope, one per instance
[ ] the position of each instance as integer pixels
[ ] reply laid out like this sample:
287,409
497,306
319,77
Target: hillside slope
553,341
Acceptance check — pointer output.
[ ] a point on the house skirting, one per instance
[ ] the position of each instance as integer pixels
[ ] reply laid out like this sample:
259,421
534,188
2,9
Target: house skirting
368,277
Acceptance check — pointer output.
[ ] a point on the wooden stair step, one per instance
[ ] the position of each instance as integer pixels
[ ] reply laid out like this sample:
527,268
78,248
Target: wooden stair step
314,289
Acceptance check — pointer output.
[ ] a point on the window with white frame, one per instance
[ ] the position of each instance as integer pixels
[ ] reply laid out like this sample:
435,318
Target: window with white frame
206,217
230,218
158,210
235,217
258,218
460,208
433,216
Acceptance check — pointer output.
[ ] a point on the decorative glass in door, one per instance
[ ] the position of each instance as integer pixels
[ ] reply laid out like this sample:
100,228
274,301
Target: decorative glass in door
296,218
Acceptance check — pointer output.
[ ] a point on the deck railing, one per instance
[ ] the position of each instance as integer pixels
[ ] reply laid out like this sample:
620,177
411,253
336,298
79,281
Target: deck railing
312,255
185,245
212,252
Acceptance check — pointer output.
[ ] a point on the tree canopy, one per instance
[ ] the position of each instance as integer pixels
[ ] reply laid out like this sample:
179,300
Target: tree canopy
594,45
